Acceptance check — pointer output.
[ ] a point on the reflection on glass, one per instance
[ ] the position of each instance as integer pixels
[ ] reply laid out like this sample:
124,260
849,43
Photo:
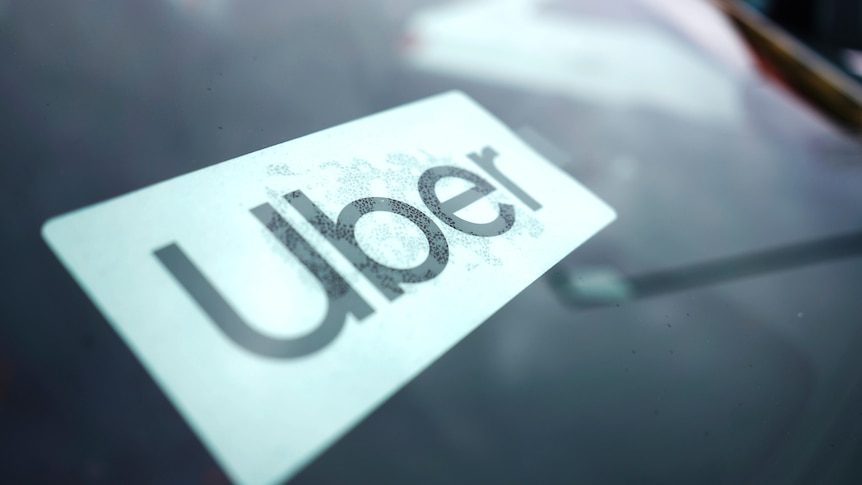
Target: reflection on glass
603,286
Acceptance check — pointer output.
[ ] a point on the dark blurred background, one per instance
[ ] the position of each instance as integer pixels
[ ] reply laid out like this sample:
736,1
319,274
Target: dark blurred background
596,373
831,27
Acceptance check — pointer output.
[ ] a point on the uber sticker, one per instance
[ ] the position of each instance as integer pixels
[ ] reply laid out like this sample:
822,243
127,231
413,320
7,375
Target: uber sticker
280,297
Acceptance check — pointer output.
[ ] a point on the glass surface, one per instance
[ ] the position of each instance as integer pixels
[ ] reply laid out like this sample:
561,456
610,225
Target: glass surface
710,335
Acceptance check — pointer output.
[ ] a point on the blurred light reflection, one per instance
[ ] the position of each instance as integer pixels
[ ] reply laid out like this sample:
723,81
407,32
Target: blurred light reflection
615,63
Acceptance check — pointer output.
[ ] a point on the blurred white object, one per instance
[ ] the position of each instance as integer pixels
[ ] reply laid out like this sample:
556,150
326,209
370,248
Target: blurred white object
703,23
592,58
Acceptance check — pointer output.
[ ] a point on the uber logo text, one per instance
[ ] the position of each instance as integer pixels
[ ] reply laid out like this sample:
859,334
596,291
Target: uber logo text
342,298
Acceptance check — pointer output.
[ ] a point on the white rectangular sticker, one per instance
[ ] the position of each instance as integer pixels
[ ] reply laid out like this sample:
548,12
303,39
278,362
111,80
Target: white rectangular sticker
280,297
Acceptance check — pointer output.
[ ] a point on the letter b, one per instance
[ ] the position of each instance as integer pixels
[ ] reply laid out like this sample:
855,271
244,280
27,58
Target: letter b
342,235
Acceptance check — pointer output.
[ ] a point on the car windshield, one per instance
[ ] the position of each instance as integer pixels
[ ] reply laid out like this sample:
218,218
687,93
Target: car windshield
709,335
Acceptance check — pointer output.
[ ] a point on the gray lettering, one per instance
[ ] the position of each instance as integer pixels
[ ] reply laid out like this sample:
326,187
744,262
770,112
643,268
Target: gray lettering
342,235
445,211
486,161
342,298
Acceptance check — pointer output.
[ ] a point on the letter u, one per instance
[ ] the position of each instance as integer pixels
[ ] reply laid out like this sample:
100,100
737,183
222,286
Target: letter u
342,298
